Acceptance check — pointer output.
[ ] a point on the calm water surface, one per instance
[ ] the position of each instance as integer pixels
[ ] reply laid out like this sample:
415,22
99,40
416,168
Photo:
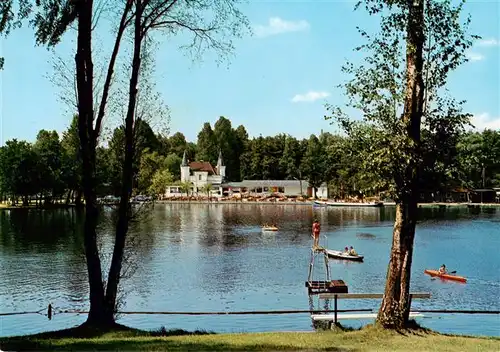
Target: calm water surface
216,258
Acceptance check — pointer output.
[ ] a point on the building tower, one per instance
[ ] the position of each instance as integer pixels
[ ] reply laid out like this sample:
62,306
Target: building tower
184,168
221,168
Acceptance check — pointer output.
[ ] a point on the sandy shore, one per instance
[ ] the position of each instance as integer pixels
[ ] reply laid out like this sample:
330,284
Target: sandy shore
309,203
230,202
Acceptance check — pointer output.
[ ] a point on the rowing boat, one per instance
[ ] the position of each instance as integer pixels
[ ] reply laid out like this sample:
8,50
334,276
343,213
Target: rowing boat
344,256
435,273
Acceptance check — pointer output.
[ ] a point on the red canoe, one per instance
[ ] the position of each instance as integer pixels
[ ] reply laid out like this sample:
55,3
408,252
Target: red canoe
435,273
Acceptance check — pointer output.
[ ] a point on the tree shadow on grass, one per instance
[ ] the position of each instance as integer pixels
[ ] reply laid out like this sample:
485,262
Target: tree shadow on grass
85,331
157,344
45,340
123,338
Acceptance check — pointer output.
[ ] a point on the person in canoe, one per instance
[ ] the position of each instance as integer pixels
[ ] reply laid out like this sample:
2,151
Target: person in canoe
442,269
316,229
352,251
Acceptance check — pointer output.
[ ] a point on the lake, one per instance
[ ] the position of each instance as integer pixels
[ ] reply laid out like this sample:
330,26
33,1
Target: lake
200,257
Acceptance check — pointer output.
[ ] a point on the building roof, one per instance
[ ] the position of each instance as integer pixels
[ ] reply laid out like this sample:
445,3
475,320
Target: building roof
202,166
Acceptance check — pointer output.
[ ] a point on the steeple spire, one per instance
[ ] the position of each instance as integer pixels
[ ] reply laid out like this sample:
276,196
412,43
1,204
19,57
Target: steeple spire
221,169
184,159
220,161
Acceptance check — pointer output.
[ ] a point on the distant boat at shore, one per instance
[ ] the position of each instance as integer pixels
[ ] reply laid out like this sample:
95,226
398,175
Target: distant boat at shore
347,204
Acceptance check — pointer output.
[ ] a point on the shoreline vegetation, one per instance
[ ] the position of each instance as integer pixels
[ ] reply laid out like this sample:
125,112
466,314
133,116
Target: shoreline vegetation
7,206
369,338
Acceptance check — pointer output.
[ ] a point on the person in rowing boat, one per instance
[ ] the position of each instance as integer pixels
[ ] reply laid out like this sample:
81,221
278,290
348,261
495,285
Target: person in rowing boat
316,229
352,251
442,269
346,250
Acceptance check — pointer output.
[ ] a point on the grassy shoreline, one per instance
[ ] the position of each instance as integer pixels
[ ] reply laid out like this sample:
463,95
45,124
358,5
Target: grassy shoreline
367,339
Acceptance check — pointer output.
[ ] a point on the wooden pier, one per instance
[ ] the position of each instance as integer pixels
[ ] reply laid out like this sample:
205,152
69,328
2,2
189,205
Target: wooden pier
315,287
321,287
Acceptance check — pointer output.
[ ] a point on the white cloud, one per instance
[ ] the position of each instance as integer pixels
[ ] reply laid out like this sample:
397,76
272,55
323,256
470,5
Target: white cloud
474,56
488,42
485,120
277,25
309,97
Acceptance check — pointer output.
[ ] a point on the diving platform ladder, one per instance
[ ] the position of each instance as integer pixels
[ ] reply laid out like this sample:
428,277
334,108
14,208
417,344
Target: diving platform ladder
315,286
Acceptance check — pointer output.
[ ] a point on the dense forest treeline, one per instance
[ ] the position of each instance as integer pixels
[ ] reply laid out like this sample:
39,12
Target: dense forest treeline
49,168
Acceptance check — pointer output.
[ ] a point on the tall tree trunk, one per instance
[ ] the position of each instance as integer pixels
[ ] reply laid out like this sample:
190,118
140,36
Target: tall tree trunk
84,78
127,172
395,309
88,135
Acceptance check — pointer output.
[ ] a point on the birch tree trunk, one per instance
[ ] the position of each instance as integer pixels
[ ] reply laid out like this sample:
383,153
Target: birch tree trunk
395,309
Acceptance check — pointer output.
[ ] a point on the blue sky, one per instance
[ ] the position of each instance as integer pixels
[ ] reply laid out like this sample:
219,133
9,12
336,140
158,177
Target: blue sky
277,82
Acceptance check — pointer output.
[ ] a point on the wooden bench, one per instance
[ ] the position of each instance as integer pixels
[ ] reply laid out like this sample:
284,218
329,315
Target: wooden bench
335,296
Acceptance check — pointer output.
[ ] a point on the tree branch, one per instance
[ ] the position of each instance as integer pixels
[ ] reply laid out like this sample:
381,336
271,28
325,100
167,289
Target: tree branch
152,17
125,19
200,32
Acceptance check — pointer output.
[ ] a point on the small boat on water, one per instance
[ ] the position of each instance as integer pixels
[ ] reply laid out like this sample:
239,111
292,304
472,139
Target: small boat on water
347,204
435,273
269,228
344,255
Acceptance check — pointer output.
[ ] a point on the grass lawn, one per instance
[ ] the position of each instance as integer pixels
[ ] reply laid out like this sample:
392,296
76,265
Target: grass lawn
367,339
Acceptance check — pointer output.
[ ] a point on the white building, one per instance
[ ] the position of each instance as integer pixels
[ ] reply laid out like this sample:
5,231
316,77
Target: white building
289,188
199,174
202,173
